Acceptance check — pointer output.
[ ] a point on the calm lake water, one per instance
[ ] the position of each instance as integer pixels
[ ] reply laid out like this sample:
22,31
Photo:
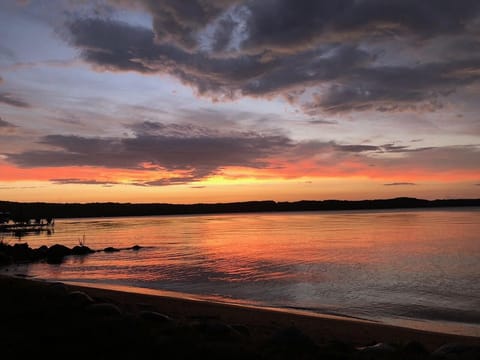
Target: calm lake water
416,268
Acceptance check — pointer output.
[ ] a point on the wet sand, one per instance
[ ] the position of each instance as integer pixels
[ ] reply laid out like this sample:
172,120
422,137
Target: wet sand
58,319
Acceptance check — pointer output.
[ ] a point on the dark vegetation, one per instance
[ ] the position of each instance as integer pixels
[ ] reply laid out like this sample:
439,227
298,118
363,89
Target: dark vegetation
77,210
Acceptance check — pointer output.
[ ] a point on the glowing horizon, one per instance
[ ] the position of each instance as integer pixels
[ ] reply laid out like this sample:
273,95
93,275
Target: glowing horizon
136,101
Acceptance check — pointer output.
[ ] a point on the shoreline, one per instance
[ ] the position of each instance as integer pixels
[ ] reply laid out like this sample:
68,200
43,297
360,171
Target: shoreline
262,323
445,327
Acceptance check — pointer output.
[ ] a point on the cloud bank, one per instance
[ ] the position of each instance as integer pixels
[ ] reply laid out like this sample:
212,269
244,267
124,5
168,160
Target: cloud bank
325,56
187,153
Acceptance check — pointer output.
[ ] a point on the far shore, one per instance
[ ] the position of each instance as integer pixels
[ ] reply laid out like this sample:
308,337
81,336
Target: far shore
31,309
34,210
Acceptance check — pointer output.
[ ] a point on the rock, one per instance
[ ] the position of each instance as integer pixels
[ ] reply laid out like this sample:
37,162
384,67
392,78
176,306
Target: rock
413,348
40,253
136,247
111,249
22,253
378,348
58,289
241,329
291,337
80,299
105,309
56,253
215,329
82,250
155,316
458,352
5,259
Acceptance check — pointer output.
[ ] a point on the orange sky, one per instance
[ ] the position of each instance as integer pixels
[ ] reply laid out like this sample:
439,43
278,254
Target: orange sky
232,104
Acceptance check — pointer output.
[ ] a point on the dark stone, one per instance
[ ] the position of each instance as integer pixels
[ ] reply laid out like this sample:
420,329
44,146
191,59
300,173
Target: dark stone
82,250
56,253
414,348
291,337
5,259
58,289
22,253
155,316
136,247
111,249
215,329
457,352
241,329
105,309
80,299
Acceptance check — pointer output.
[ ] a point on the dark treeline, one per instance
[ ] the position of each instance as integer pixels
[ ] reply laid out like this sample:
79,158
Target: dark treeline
76,210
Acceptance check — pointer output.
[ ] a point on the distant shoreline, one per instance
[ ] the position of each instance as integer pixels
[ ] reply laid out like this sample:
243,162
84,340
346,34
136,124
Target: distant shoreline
110,209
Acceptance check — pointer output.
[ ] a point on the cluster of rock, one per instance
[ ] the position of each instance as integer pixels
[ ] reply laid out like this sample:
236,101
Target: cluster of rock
55,254
285,343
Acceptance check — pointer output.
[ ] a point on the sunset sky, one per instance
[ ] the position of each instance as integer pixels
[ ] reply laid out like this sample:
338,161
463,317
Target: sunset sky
224,100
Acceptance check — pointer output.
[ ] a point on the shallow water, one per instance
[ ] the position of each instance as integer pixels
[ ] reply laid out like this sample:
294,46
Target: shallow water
416,268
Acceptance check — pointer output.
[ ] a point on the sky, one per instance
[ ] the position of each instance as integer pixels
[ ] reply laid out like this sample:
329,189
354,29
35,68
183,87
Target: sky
236,100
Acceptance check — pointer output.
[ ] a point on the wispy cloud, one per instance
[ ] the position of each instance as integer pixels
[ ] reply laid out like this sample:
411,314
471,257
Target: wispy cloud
66,181
10,99
400,184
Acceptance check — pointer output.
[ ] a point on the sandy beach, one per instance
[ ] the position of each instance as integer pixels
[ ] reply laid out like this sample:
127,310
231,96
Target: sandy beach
61,319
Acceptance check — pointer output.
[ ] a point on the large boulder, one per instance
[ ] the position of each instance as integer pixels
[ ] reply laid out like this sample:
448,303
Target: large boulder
56,253
105,309
80,299
5,259
22,253
457,351
81,250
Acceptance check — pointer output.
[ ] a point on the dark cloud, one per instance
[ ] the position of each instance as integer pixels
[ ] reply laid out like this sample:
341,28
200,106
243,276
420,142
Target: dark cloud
6,127
185,153
400,184
287,23
12,100
322,122
226,49
396,88
195,151
66,181
355,148
5,124
179,21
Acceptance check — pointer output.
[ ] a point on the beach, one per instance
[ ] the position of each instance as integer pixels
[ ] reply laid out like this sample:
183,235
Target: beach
59,319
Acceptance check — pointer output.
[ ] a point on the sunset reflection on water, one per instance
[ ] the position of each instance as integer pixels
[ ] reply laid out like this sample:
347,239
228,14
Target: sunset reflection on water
420,265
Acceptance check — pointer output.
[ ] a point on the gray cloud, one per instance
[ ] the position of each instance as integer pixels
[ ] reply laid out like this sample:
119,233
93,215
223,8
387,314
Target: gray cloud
196,151
12,100
400,184
6,127
189,153
5,124
226,49
322,122
396,88
66,181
